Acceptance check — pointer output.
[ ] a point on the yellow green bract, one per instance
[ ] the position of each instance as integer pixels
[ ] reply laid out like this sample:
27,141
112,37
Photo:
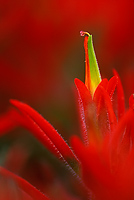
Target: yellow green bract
95,76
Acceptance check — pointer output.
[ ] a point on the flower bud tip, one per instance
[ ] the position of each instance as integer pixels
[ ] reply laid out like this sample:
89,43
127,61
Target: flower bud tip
83,33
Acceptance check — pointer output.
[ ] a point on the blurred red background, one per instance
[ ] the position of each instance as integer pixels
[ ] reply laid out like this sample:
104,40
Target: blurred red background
40,42
41,52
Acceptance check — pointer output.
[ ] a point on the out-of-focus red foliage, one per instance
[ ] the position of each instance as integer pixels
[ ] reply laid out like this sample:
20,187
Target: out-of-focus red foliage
13,186
35,38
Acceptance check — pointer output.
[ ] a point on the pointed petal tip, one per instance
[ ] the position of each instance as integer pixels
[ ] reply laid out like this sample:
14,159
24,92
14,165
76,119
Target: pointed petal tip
14,102
78,81
75,80
115,73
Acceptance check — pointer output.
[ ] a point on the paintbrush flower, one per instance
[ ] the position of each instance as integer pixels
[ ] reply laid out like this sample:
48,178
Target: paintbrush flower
105,151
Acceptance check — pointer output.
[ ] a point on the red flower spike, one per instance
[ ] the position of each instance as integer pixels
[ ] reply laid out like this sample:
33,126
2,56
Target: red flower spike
106,155
24,185
46,128
120,97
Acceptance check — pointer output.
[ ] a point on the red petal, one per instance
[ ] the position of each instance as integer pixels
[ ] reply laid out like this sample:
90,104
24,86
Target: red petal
45,127
120,96
101,92
25,121
112,85
84,101
100,102
104,83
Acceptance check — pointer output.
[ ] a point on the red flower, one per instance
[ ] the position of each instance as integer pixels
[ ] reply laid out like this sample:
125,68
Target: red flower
105,153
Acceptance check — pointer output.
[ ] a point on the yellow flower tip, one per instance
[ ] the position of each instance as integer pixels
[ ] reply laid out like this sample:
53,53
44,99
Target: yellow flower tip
83,33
